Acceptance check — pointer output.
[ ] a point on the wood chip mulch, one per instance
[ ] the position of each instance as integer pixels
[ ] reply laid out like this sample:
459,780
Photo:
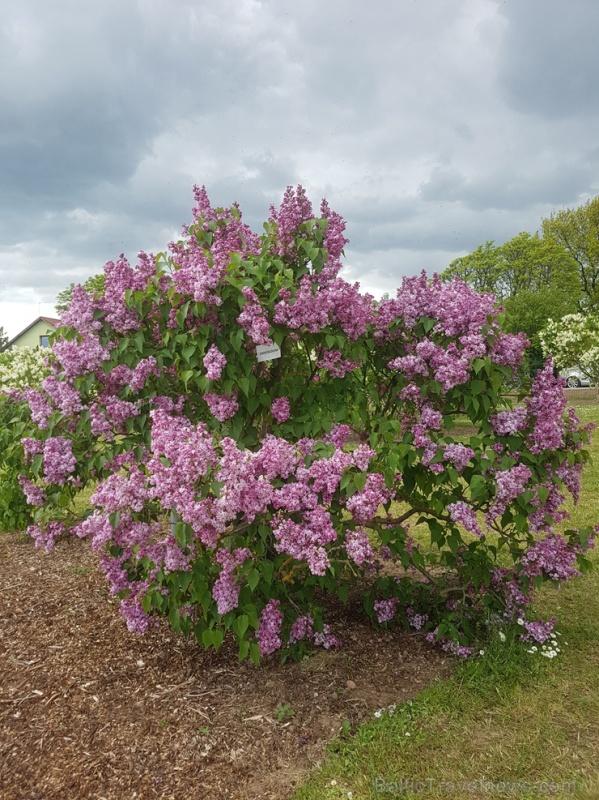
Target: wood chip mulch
89,711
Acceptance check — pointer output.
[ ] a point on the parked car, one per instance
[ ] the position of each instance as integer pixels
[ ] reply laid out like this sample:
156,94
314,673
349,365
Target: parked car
574,378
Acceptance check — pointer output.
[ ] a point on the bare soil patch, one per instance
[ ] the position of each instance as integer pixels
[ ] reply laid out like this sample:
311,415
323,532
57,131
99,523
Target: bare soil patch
90,711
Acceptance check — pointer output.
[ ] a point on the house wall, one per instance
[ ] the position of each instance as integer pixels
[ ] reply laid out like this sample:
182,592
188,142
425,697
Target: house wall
31,337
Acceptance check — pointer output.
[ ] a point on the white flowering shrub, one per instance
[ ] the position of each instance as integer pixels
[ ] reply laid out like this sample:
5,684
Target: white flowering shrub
573,341
21,367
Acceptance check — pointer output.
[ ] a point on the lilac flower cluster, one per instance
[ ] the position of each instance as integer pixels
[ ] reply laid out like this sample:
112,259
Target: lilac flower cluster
269,627
253,318
510,484
552,556
223,407
326,639
63,395
280,409
538,631
335,364
79,357
46,537
448,645
35,495
364,505
459,455
31,447
306,541
302,628
358,547
464,515
59,461
226,590
417,621
385,609
214,363
40,408
509,422
546,405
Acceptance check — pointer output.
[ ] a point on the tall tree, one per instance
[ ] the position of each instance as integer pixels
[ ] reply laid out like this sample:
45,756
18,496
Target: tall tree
3,339
577,231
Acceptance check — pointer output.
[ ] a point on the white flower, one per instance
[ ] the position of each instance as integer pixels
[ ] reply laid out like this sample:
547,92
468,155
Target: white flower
481,652
502,636
520,621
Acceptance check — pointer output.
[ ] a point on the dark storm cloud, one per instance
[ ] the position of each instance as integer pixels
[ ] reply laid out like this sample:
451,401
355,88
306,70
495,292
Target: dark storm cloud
430,126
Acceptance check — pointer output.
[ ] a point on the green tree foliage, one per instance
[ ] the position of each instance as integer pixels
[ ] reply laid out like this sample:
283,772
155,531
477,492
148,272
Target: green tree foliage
94,284
577,232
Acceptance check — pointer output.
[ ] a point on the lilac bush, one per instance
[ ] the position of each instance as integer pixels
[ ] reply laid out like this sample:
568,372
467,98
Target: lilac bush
236,492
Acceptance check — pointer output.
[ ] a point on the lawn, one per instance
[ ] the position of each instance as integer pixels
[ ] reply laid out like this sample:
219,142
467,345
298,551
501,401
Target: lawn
508,723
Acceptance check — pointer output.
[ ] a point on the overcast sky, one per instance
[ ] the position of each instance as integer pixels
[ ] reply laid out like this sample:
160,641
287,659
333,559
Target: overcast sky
430,125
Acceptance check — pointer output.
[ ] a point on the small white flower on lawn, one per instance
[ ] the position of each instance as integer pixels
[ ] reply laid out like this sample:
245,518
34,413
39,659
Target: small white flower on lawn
408,734
481,652
520,621
502,636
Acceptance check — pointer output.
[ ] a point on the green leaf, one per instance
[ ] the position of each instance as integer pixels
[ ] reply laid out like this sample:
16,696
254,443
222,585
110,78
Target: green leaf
253,578
255,652
240,625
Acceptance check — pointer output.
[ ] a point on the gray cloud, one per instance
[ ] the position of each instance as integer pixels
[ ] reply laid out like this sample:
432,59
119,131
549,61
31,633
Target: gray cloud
430,126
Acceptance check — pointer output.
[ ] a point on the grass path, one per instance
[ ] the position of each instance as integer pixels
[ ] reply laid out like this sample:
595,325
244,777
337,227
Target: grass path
508,724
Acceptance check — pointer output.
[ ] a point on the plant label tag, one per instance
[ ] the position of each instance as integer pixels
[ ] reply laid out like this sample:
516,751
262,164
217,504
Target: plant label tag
267,352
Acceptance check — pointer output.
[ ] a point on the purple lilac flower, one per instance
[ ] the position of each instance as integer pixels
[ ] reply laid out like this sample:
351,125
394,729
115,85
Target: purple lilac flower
364,505
358,547
46,537
214,363
385,609
280,409
326,639
538,631
509,422
35,495
459,455
417,621
269,628
226,590
302,628
221,406
449,645
552,556
59,461
462,514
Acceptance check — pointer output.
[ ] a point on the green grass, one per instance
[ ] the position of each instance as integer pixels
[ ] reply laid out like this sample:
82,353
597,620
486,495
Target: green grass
508,716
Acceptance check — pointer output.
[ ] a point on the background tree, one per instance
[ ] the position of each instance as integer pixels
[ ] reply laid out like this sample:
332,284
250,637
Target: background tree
577,232
3,339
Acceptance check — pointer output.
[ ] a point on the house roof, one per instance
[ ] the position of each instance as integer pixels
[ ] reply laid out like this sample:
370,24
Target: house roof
52,321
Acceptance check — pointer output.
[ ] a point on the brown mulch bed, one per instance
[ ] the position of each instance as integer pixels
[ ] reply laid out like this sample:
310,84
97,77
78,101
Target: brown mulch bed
90,711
